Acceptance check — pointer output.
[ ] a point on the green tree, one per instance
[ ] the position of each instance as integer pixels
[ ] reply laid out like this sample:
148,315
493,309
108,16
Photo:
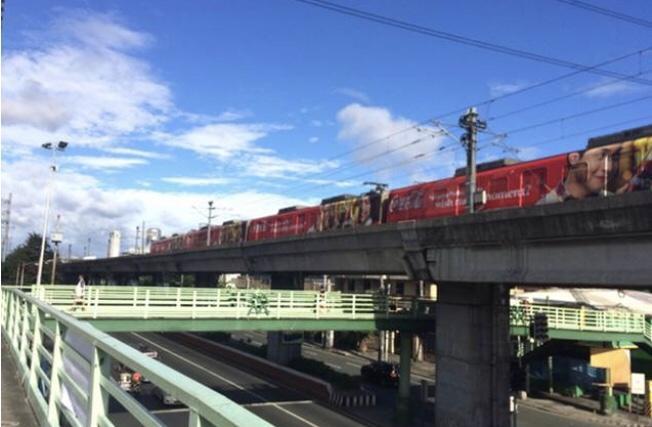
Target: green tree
27,255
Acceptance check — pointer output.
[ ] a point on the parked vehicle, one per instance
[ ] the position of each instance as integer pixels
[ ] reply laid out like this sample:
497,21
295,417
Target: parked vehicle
128,380
147,351
382,373
166,398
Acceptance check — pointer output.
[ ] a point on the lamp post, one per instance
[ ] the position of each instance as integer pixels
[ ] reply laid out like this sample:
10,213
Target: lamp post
60,146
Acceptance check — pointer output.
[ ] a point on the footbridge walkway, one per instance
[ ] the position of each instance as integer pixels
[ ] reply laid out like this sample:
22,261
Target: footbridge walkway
114,309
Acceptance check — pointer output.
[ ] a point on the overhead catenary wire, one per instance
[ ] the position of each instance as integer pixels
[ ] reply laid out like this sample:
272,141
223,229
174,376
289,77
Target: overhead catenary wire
456,38
576,115
608,12
558,98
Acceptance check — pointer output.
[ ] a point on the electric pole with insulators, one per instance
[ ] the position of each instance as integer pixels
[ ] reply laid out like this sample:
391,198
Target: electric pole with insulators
470,122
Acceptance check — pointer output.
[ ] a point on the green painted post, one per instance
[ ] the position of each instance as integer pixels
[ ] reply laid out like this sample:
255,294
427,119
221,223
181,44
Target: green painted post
403,403
6,320
16,320
35,360
23,336
98,399
55,384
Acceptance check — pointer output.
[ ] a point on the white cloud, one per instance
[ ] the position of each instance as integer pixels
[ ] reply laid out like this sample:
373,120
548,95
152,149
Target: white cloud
79,83
268,166
611,89
194,181
382,140
135,152
103,163
313,139
225,116
89,208
497,89
317,123
222,140
353,93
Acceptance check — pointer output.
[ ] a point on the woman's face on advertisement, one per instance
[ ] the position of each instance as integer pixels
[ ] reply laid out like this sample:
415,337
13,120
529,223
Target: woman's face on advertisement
597,163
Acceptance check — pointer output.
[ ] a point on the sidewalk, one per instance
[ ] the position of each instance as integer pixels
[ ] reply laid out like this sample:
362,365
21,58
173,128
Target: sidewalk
620,419
15,408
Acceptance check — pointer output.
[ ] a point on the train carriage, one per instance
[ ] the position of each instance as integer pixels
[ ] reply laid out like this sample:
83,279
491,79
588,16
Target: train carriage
292,221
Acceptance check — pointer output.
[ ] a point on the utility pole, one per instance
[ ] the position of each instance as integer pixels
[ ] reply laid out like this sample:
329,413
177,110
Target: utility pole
55,238
211,208
6,222
137,239
69,251
89,247
142,239
470,122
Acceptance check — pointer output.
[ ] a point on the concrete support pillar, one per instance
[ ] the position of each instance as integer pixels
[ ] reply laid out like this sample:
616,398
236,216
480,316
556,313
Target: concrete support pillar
403,403
206,279
279,351
417,348
472,351
329,339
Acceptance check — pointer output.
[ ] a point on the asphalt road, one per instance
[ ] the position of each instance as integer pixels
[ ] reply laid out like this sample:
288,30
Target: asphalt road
349,363
278,405
275,404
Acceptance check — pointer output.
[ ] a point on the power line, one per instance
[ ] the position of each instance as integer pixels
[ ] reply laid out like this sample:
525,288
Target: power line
587,131
557,99
456,38
576,115
608,12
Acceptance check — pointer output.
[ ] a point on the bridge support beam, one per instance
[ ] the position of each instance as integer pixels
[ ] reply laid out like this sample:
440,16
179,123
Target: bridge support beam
278,350
472,355
403,403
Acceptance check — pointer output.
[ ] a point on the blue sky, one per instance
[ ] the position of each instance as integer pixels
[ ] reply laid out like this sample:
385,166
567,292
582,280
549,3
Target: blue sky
255,104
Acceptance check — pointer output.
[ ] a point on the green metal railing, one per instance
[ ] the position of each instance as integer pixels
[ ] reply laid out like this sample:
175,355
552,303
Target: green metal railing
42,352
204,303
583,319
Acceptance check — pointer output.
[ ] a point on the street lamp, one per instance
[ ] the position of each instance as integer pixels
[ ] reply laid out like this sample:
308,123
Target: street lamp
60,146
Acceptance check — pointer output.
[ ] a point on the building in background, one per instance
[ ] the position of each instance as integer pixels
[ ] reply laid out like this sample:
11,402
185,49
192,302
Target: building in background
152,235
114,244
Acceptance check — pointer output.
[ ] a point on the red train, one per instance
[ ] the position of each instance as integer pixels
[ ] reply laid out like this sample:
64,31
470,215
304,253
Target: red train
610,164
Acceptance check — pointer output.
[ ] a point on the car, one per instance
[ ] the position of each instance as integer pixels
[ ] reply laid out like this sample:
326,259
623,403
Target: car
383,373
147,351
167,398
127,379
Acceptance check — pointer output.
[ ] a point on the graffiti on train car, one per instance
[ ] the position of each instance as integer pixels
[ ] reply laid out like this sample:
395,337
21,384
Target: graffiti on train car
605,170
356,211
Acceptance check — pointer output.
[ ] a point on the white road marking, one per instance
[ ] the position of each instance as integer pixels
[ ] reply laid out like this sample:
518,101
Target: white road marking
289,402
236,385
339,368
355,365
